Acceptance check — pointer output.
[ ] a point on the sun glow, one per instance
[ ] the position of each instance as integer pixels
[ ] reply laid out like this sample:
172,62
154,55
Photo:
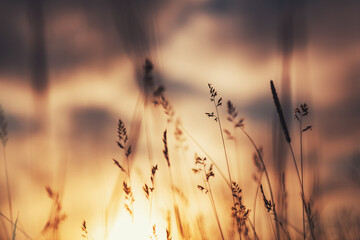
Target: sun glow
125,227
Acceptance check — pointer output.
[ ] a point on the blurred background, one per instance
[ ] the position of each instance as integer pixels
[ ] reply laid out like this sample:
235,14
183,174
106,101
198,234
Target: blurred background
70,69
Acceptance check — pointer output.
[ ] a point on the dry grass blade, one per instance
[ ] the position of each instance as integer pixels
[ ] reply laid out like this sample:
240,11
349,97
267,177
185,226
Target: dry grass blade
56,216
304,108
84,230
258,159
17,227
268,205
122,143
168,235
166,151
4,139
201,164
154,235
129,199
239,211
148,190
119,165
14,230
168,109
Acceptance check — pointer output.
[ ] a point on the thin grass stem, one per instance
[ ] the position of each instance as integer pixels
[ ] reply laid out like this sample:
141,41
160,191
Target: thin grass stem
213,205
267,178
226,158
17,227
207,155
7,182
253,228
302,172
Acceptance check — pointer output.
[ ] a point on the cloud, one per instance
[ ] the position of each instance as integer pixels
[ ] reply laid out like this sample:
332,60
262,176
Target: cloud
91,124
339,120
13,47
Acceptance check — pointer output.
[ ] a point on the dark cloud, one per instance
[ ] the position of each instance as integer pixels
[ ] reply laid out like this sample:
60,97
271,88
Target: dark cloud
261,109
341,119
13,47
344,174
91,124
109,28
19,126
178,89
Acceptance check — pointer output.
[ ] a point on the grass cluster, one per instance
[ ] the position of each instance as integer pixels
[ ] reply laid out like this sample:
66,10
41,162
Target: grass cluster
221,186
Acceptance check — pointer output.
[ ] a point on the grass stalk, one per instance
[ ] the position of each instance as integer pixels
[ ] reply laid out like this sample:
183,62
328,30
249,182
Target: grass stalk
267,178
207,155
17,227
253,228
176,208
208,173
213,205
302,172
14,230
255,200
7,183
4,139
217,103
288,139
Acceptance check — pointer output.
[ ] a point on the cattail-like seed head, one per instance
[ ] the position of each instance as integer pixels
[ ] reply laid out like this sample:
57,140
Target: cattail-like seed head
279,111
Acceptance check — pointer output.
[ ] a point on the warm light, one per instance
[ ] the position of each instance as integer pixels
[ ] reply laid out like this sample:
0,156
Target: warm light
138,229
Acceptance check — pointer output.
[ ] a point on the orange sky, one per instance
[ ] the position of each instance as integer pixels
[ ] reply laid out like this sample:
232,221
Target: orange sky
64,136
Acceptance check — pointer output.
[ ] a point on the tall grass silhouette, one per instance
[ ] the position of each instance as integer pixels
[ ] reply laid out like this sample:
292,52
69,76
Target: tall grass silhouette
306,205
4,139
208,172
231,216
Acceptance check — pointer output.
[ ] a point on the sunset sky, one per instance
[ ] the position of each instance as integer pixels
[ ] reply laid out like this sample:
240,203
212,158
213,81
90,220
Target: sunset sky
70,69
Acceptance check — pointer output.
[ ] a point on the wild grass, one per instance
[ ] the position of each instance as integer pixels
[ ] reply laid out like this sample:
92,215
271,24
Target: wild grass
56,217
306,205
234,218
216,116
208,172
84,231
148,190
123,145
240,213
4,139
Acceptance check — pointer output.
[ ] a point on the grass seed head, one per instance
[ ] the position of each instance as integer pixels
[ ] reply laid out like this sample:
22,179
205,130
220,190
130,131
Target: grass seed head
280,112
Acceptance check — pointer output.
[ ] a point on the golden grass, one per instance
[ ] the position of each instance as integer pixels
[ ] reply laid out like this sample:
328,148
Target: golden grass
234,218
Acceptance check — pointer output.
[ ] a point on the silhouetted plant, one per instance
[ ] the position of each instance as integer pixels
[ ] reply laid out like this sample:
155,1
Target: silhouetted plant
239,211
14,229
123,145
259,161
280,112
166,151
217,103
4,139
149,190
288,139
208,173
154,234
84,231
301,112
148,78
176,207
168,235
56,216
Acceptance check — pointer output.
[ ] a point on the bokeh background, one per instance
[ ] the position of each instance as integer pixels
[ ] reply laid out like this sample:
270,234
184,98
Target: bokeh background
70,69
